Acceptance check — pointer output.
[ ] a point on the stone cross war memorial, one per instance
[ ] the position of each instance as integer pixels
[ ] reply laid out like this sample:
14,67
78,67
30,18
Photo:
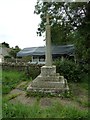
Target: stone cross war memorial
48,82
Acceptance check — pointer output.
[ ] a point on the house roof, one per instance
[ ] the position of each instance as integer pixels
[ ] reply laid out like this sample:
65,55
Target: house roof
61,49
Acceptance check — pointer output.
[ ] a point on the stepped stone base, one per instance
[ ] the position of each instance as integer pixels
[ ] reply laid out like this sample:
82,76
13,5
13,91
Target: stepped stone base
49,82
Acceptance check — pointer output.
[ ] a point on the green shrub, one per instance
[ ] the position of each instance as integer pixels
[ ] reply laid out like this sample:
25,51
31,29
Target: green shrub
72,71
34,71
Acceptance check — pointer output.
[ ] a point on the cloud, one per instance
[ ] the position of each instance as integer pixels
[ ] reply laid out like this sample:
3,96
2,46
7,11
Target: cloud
18,23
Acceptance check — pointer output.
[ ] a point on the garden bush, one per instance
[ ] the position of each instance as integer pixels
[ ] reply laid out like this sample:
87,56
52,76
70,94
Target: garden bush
72,71
33,71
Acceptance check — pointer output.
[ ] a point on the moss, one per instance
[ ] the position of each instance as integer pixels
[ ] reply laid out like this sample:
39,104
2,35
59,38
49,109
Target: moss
45,94
13,96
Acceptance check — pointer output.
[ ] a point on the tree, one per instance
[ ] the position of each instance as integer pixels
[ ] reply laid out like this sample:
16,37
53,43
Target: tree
4,44
14,51
64,18
70,23
83,36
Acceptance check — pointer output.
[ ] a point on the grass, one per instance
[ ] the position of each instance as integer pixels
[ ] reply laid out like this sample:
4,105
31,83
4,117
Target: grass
0,92
57,110
0,72
10,79
13,96
79,93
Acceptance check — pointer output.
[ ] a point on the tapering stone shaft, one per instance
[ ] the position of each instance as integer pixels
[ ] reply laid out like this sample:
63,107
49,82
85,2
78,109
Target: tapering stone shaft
48,44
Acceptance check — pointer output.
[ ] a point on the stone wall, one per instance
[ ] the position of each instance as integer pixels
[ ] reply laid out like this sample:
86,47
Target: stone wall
31,70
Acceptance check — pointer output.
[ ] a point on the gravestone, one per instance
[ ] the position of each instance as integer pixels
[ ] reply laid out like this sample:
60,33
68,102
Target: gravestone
48,81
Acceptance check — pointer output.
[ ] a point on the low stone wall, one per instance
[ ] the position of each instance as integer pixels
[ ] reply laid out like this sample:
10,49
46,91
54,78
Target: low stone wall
30,70
13,66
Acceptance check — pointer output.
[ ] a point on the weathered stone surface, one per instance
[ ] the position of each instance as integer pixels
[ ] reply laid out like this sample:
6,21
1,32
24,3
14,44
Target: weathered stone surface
55,78
48,43
48,70
48,81
48,84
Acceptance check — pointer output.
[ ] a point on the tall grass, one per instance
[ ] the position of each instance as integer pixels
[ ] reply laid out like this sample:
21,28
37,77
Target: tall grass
10,79
0,92
35,111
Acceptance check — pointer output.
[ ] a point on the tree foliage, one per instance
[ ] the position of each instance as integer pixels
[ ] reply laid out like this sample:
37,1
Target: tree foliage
4,44
82,36
70,23
14,51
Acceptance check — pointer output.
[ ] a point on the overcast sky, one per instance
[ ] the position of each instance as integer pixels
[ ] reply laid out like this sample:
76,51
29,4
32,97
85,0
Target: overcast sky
18,23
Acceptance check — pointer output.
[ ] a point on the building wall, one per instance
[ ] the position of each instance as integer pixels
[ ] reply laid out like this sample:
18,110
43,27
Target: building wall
38,59
1,58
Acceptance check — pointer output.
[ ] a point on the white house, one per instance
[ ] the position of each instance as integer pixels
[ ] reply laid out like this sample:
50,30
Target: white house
38,53
3,52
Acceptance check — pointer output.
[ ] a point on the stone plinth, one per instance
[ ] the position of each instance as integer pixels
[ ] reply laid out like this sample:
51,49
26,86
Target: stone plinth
48,70
49,82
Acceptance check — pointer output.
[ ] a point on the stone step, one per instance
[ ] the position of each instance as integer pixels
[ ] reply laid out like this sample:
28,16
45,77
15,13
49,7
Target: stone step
48,84
50,78
47,90
48,70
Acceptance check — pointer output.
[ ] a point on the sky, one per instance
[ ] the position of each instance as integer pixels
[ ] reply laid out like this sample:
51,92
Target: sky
18,23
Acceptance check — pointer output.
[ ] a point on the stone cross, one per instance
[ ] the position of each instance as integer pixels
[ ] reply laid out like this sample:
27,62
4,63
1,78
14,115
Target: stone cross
48,43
